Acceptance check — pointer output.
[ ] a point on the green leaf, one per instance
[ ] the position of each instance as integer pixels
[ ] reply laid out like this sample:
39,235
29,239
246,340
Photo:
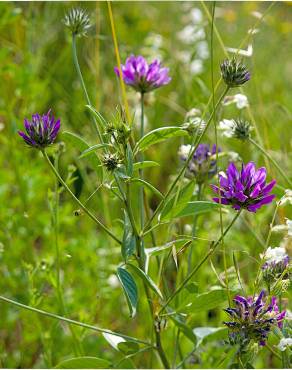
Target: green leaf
158,135
93,148
146,279
206,301
84,363
130,167
197,208
97,115
145,164
179,321
210,333
129,242
130,289
228,358
82,145
128,348
148,185
157,250
192,288
178,202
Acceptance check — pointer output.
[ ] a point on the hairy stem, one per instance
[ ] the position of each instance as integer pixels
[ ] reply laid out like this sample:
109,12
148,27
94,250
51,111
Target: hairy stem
81,205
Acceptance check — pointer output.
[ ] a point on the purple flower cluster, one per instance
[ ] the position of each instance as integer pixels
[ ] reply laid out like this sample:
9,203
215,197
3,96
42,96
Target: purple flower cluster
277,266
244,189
252,319
203,164
142,76
41,131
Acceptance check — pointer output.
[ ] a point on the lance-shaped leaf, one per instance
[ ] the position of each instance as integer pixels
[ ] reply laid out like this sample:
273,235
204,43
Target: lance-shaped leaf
148,186
129,241
82,145
145,164
197,208
146,279
130,289
158,135
93,148
178,202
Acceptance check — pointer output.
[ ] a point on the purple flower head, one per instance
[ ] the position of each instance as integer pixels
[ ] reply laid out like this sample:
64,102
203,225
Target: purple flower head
244,189
252,318
143,77
41,131
203,165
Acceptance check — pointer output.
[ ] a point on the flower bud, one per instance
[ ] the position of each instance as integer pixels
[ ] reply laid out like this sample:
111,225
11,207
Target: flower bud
234,73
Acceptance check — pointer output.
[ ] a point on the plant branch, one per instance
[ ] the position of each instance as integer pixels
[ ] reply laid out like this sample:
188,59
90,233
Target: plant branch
199,265
81,205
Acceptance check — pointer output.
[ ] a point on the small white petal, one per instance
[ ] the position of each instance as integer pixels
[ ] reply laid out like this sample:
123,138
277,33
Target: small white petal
284,343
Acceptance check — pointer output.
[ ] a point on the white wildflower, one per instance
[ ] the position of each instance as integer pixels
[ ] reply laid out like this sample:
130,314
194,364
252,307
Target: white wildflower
196,15
226,125
240,100
191,114
246,53
274,255
279,228
184,151
233,156
203,50
284,343
196,67
287,198
289,226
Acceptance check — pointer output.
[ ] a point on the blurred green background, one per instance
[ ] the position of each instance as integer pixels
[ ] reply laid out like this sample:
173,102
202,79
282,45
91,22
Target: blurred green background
37,73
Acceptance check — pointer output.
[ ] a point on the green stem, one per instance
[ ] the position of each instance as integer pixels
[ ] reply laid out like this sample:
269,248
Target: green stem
77,344
265,248
77,66
81,205
70,321
272,160
199,265
141,175
216,143
161,204
199,195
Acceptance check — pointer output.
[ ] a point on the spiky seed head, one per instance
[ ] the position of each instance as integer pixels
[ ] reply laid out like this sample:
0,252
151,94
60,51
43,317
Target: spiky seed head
241,129
78,21
234,73
110,161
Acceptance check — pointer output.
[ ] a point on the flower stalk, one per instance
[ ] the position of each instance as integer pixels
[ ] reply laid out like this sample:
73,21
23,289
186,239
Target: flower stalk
81,205
265,153
199,265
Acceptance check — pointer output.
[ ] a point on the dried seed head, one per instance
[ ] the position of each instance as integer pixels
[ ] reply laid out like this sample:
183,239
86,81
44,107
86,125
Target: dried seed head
234,73
78,21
